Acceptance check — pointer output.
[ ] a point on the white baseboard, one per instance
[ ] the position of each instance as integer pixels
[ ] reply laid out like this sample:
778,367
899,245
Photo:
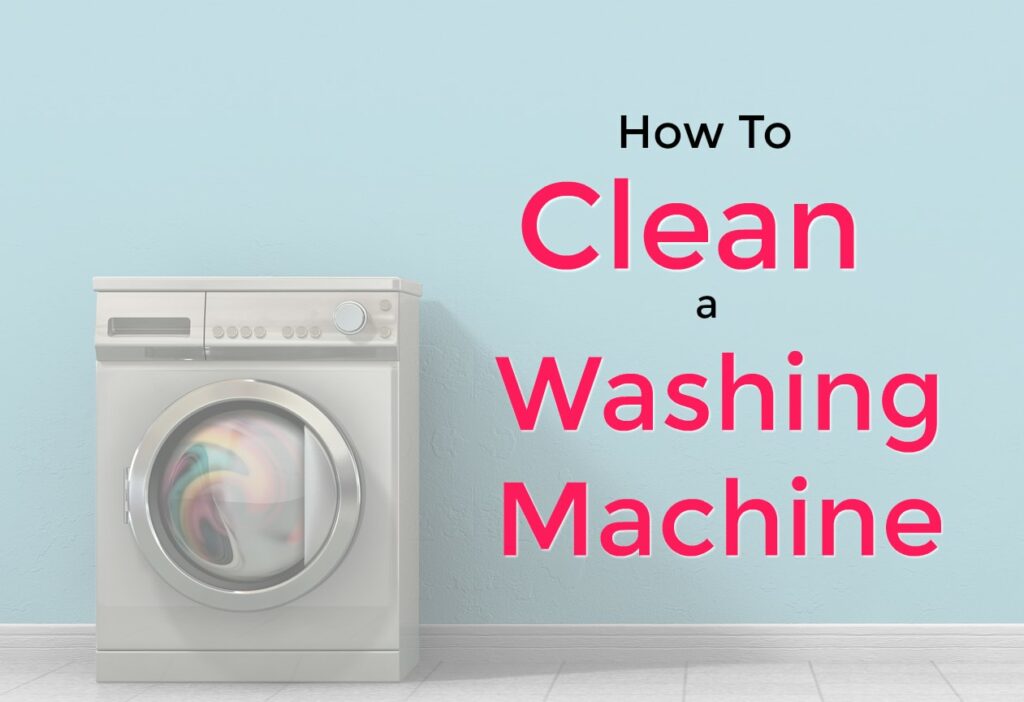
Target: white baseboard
727,642
47,636
654,643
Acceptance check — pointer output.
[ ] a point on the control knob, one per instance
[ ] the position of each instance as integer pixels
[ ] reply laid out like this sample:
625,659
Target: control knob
349,317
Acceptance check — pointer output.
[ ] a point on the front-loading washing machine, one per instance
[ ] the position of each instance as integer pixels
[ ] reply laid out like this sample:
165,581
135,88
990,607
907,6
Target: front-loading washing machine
257,479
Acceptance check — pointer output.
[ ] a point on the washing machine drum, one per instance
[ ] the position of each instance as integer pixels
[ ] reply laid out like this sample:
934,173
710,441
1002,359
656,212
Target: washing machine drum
244,495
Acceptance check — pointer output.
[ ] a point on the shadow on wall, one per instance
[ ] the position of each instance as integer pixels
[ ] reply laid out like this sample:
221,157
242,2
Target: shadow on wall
466,443
470,445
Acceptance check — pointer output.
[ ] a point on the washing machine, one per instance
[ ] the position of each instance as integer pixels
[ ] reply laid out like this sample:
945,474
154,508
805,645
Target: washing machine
257,496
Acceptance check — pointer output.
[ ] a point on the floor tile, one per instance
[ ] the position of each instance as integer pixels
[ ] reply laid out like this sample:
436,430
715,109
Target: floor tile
863,682
983,682
78,666
616,696
868,690
727,697
875,672
750,679
344,692
868,687
382,692
985,678
488,680
575,673
208,692
749,671
49,675
9,681
592,690
17,675
39,662
73,680
116,692
509,695
983,672
991,688
506,693
602,681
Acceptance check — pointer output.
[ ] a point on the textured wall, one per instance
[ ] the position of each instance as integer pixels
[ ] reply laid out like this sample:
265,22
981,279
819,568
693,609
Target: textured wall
335,140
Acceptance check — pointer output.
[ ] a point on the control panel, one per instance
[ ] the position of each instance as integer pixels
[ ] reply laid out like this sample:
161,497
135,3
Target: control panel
325,320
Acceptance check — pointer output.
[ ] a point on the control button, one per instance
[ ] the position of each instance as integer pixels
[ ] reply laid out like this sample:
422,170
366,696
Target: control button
300,332
385,305
218,331
287,332
260,332
314,332
232,332
246,332
385,332
349,317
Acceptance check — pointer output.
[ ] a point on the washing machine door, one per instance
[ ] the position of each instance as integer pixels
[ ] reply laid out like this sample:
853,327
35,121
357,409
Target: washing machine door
243,495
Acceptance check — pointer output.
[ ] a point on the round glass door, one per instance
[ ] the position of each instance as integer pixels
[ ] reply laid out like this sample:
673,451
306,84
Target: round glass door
244,495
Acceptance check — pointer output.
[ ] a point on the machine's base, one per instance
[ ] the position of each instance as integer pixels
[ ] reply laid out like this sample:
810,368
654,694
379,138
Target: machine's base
253,666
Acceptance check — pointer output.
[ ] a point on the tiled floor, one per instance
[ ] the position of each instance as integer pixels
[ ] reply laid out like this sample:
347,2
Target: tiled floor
42,675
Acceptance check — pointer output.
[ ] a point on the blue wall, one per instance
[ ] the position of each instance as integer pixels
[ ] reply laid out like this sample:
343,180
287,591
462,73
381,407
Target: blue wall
322,139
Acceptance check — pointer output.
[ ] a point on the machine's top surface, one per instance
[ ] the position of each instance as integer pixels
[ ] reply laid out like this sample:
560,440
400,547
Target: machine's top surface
254,284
